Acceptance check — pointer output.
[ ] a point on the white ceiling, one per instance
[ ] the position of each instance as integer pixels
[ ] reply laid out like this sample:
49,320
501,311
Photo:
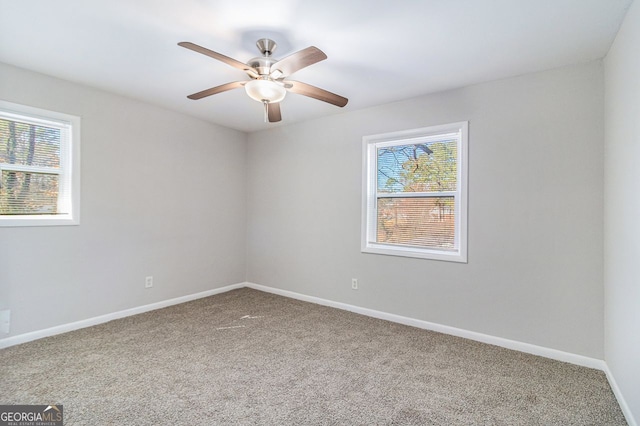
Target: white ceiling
378,51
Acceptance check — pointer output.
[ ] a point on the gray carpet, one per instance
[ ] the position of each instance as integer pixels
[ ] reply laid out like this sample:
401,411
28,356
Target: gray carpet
248,357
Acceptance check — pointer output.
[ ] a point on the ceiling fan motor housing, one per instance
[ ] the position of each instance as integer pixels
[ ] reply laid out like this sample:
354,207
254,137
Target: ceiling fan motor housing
262,64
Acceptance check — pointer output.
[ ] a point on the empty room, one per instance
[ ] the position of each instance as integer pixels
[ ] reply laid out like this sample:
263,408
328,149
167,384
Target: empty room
319,213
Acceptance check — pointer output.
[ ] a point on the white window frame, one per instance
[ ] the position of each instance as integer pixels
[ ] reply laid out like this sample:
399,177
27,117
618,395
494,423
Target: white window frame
68,172
370,195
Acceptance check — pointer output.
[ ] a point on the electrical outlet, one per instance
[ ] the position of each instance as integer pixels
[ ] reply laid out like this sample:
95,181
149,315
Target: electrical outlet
354,283
5,321
148,282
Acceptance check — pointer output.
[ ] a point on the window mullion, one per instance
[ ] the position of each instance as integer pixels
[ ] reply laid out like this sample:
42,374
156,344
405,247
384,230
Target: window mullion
416,194
29,169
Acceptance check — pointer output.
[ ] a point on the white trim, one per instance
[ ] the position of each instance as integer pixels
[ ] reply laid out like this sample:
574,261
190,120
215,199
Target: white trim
621,401
68,172
580,360
472,335
63,328
414,135
370,194
37,116
30,169
442,194
410,251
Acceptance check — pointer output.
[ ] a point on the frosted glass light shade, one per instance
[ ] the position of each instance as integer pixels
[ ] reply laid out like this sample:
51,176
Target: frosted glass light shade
265,90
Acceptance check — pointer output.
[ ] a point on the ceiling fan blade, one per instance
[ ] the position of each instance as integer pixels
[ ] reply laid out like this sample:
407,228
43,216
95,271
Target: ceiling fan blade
315,92
273,111
217,89
297,61
219,56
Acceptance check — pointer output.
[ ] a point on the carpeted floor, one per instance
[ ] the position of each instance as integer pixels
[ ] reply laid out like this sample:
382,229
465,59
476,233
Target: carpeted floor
248,357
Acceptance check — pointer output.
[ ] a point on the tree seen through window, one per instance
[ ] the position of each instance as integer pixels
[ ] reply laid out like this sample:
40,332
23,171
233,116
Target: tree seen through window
418,211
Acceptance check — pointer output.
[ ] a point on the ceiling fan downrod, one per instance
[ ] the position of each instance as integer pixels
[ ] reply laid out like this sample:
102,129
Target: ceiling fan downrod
266,46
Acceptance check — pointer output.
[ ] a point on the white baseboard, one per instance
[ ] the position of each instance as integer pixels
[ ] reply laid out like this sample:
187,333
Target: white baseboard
472,335
39,334
623,402
485,338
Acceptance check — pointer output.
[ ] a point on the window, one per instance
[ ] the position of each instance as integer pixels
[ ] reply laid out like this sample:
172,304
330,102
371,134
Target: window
39,167
415,193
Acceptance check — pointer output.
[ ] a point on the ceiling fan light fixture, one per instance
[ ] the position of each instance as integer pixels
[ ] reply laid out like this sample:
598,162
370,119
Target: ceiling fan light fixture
265,90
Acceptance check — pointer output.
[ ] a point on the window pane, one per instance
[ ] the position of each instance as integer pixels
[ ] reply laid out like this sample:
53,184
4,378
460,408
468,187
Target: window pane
28,193
29,144
422,222
418,167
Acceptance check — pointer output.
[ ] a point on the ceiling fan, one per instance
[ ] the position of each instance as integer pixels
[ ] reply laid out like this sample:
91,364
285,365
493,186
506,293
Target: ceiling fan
269,83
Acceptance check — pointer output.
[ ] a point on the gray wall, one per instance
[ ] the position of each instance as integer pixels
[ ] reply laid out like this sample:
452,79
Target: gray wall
622,209
163,194
535,267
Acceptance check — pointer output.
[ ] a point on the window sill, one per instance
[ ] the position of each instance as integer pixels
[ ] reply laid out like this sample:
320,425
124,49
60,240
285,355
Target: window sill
414,252
38,220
